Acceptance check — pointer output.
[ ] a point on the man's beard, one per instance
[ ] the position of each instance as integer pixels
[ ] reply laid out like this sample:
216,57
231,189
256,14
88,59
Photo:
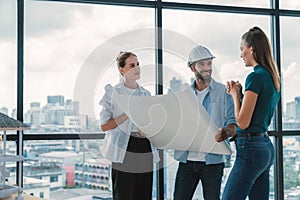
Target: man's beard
201,78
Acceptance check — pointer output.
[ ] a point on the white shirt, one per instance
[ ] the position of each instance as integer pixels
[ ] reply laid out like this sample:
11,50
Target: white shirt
195,155
133,92
116,140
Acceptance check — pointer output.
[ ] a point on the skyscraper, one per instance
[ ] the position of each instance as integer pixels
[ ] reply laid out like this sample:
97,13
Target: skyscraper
35,114
56,100
175,85
290,110
297,108
4,110
72,105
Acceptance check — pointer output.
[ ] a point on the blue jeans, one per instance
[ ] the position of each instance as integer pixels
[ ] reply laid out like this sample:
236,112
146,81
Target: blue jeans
250,173
188,176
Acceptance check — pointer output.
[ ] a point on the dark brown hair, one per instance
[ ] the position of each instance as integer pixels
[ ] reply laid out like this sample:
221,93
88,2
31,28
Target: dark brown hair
262,52
121,59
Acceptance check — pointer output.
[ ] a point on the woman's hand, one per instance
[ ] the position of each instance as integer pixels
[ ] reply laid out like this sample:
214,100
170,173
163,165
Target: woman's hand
234,88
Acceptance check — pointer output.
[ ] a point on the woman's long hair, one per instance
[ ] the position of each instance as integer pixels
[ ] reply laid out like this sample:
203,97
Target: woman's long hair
262,52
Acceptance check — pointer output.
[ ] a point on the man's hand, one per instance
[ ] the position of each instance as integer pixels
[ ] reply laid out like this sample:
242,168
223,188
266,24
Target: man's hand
221,135
224,133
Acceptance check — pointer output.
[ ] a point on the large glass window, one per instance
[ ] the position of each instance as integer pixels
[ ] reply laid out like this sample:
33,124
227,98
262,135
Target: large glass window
70,56
290,69
8,61
289,4
59,168
291,165
80,43
221,34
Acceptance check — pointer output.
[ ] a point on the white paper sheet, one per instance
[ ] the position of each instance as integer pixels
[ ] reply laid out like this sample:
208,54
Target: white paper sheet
173,121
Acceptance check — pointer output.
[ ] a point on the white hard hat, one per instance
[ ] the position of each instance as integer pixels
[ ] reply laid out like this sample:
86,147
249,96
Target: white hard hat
199,53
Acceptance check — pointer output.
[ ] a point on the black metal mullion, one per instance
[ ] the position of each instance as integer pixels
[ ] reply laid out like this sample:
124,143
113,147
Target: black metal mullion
59,136
278,167
290,13
159,90
20,85
218,8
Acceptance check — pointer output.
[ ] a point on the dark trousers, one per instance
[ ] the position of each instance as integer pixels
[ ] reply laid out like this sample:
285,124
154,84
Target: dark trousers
188,176
132,179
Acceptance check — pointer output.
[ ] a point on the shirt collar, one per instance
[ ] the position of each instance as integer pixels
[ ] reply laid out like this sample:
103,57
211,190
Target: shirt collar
121,85
211,86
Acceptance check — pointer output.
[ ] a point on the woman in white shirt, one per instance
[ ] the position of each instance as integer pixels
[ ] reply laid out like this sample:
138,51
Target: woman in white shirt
131,153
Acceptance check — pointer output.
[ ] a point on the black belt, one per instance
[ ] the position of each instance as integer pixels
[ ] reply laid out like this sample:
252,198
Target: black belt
247,135
250,134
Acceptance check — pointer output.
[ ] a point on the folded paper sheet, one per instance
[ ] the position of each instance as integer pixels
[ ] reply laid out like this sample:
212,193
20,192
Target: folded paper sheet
173,121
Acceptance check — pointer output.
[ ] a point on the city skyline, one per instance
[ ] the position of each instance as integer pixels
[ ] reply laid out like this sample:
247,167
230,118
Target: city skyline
174,86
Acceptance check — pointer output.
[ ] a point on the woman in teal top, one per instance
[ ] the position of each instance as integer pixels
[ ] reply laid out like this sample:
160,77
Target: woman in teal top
255,152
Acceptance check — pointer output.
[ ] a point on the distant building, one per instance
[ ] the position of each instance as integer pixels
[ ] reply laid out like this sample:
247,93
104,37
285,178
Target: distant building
75,122
36,187
14,113
4,110
93,174
34,149
56,100
49,171
55,114
34,115
290,110
81,194
68,161
72,105
175,85
37,184
93,124
35,105
297,108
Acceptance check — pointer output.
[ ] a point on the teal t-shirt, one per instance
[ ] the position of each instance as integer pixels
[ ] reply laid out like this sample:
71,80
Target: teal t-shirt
260,81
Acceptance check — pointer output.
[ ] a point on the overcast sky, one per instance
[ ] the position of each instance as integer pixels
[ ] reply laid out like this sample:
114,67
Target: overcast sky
71,48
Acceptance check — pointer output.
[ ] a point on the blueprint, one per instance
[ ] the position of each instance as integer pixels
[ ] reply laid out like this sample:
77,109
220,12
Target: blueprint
173,121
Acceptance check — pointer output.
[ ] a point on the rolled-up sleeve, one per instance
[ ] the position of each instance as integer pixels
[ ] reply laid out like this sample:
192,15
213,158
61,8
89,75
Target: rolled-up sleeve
106,104
229,111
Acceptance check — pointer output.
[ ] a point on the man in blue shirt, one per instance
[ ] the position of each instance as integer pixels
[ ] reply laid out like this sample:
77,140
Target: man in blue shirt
207,167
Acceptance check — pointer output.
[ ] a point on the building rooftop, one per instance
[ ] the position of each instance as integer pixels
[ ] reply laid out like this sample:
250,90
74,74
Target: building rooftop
79,194
60,154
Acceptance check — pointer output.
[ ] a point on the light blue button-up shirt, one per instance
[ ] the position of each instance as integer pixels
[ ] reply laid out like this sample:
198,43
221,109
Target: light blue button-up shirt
116,140
220,107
